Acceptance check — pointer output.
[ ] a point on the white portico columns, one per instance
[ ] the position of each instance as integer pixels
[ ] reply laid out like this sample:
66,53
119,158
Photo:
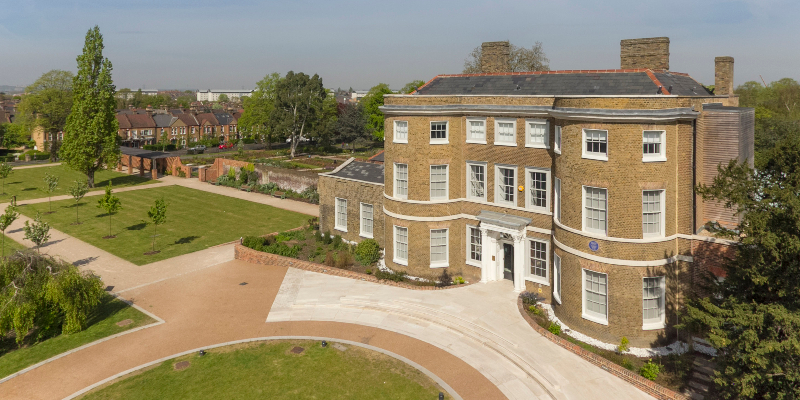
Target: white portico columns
519,261
493,226
488,253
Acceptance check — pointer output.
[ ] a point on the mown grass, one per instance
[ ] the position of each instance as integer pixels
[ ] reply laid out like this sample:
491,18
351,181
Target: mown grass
270,371
29,183
102,323
196,220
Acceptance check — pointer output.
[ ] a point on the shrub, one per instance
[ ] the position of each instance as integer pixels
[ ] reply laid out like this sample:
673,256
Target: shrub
459,280
326,238
529,298
329,260
627,364
650,370
344,259
291,235
391,276
368,252
535,310
313,223
337,242
282,249
554,328
254,242
623,345
181,173
310,194
369,272
444,278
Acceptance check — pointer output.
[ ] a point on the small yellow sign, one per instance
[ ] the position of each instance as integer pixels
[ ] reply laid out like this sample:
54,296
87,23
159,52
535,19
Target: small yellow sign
540,290
521,188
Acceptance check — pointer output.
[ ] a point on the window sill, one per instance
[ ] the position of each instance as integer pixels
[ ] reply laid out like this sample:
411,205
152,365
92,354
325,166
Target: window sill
654,159
367,236
440,265
440,142
483,199
651,236
400,141
594,157
537,146
508,144
474,263
506,203
598,233
476,141
443,198
537,279
401,262
339,228
595,319
542,210
403,197
654,326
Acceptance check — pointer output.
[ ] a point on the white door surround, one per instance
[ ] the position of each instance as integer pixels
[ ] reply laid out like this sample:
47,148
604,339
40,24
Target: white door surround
497,229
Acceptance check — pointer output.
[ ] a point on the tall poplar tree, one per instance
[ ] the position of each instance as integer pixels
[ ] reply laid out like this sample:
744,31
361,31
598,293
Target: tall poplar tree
90,141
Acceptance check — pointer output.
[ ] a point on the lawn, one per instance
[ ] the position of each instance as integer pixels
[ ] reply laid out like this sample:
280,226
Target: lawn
271,371
195,220
29,183
102,323
10,245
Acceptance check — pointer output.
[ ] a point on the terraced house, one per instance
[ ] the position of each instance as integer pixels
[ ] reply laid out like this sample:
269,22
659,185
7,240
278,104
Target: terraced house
577,185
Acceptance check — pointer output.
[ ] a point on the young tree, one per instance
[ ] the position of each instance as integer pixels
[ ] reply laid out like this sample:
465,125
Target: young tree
5,170
411,86
257,110
38,232
371,103
51,184
352,124
752,317
111,205
77,190
521,59
158,216
223,98
6,219
298,98
90,141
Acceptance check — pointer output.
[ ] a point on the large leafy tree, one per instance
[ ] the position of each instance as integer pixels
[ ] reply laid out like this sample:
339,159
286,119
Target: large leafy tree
91,142
411,86
521,59
48,102
327,121
351,125
14,135
752,317
258,108
372,103
298,99
42,293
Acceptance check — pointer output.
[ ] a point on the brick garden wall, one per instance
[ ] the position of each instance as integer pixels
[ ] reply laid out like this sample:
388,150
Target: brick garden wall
284,178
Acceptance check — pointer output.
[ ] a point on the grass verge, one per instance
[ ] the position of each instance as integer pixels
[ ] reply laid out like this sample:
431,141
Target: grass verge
29,183
102,323
196,220
269,370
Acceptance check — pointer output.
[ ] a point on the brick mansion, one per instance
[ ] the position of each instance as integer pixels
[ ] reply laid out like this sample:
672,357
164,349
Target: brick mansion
575,185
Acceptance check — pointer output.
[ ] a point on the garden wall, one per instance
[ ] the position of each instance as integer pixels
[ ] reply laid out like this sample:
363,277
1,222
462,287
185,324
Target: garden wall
259,257
285,178
631,377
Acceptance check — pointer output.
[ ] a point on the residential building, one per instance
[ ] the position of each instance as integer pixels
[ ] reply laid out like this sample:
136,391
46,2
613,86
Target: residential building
136,130
578,186
213,95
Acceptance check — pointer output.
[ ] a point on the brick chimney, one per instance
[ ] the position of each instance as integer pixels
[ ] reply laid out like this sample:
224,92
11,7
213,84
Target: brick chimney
650,53
495,56
723,76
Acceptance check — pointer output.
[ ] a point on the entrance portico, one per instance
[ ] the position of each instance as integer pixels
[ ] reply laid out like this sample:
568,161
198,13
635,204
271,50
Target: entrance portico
498,233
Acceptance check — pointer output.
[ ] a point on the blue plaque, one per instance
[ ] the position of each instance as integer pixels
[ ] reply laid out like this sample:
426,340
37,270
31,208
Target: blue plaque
593,245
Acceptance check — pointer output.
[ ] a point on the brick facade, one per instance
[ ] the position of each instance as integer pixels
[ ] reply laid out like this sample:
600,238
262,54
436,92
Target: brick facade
650,53
355,193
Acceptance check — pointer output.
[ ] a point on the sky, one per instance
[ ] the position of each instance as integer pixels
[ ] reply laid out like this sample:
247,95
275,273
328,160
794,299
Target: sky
213,44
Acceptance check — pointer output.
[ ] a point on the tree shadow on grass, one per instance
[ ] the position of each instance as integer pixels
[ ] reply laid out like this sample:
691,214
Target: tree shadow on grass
186,240
29,189
137,227
126,180
108,306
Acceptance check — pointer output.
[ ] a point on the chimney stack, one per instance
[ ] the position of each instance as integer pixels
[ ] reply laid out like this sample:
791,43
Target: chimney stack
646,53
495,57
723,76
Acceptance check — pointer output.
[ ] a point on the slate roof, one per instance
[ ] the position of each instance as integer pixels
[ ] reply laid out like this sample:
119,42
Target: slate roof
188,119
164,120
377,158
123,121
141,120
223,118
207,117
565,83
361,171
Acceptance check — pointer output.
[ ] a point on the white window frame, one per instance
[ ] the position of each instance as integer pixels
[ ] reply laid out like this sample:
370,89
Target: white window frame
497,122
662,154
470,260
556,278
395,185
583,212
661,323
395,257
470,138
446,182
470,164
446,262
395,139
662,206
498,197
593,155
446,139
586,314
529,186
362,232
336,224
545,280
557,144
557,198
531,143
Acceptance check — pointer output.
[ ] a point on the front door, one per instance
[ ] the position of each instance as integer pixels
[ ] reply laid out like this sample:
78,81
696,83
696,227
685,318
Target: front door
508,261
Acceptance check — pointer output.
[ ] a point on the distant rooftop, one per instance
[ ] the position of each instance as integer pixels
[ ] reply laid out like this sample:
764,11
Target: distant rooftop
361,171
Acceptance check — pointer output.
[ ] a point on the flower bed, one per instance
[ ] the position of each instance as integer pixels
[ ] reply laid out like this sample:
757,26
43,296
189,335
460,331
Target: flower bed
671,372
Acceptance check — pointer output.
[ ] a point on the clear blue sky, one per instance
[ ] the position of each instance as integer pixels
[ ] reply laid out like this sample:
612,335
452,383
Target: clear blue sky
229,45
